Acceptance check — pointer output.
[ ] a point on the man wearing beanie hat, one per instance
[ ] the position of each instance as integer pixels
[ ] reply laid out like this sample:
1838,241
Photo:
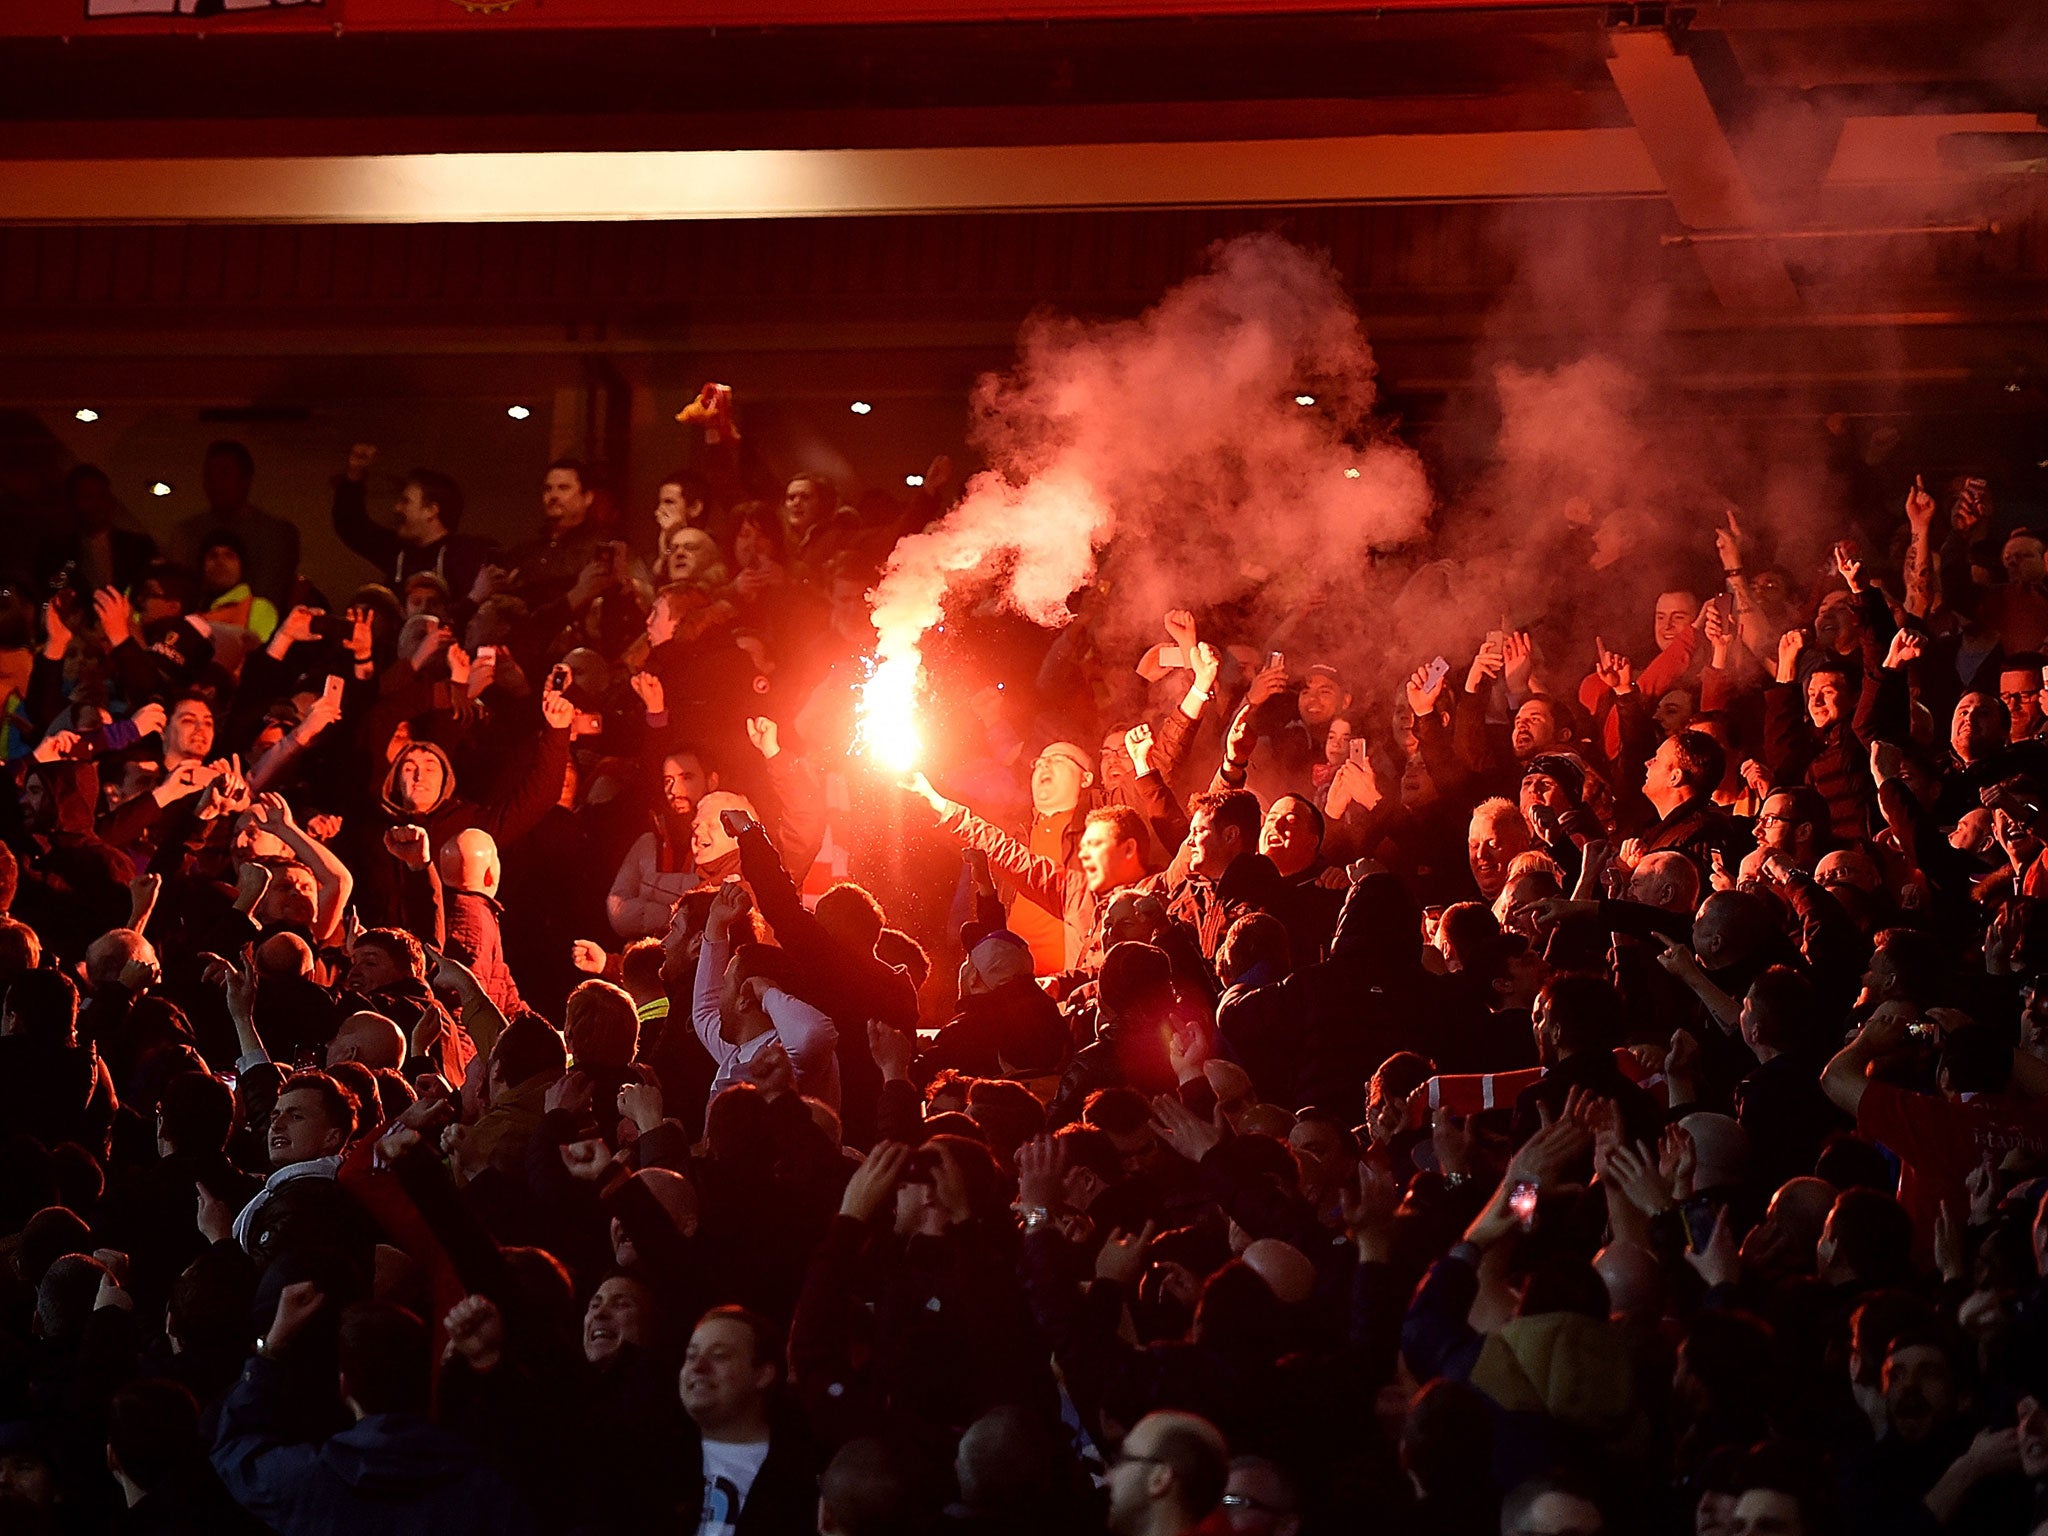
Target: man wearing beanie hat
1006,1026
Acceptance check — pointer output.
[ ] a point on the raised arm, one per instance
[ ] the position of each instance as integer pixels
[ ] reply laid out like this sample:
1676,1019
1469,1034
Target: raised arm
480,1016
712,958
330,875
799,792
1919,569
519,810
1848,1073
812,1041
1040,879
353,524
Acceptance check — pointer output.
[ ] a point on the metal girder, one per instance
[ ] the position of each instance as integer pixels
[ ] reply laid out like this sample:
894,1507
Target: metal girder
1685,140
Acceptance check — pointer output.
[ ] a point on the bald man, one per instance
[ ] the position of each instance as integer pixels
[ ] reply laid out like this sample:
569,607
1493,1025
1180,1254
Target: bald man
451,901
284,955
1168,1476
1635,1283
370,1038
1666,879
1783,1244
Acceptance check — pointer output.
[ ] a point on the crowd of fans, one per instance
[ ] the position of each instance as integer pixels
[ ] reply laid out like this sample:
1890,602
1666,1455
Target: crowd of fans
485,1052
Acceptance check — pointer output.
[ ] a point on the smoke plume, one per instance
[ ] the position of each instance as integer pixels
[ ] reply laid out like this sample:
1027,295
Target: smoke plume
1225,435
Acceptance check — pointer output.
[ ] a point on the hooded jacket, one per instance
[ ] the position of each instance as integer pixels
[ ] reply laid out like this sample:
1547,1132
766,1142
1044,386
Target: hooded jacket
516,811
390,1474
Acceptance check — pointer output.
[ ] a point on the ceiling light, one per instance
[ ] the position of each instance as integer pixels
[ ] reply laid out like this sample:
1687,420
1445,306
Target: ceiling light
861,407
85,413
160,488
517,412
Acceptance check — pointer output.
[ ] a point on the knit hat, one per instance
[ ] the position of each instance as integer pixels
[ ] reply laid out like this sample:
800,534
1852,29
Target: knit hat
996,959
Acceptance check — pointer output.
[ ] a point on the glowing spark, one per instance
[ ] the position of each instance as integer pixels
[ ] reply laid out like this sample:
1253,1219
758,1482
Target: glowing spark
1304,399
160,489
888,713
85,413
517,412
861,407
913,480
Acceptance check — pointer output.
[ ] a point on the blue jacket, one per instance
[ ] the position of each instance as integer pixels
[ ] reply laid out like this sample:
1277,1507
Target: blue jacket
390,1474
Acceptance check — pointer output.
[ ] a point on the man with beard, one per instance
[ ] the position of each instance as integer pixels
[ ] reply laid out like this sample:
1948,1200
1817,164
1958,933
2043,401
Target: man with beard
2019,690
658,868
428,512
1791,827
1168,1477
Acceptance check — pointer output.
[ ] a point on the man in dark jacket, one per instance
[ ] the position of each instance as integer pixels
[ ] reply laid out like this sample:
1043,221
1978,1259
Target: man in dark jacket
419,789
51,1087
429,510
1578,1021
758,1475
1006,1025
835,969
1315,1037
393,1473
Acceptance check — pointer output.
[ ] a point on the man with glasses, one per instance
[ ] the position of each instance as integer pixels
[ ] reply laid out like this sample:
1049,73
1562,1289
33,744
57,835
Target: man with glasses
1168,1478
1791,832
1261,1499
2019,690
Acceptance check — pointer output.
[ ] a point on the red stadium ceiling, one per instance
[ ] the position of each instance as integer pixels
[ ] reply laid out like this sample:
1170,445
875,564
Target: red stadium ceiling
58,18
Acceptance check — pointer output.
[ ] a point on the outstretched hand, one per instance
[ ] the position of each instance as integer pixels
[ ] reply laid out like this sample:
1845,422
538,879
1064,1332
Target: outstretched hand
1183,1130
874,1182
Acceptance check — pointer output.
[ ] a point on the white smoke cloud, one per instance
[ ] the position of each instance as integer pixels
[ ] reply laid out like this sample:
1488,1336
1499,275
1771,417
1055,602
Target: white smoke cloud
1169,449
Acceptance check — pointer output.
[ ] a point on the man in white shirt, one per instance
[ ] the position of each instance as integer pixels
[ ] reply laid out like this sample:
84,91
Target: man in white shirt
311,1125
728,1380
738,1011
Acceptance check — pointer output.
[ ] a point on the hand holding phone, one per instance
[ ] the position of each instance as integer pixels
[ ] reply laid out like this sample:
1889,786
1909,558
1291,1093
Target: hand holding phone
1435,673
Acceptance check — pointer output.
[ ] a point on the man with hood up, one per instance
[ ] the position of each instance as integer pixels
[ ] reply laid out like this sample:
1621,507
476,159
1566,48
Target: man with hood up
419,789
